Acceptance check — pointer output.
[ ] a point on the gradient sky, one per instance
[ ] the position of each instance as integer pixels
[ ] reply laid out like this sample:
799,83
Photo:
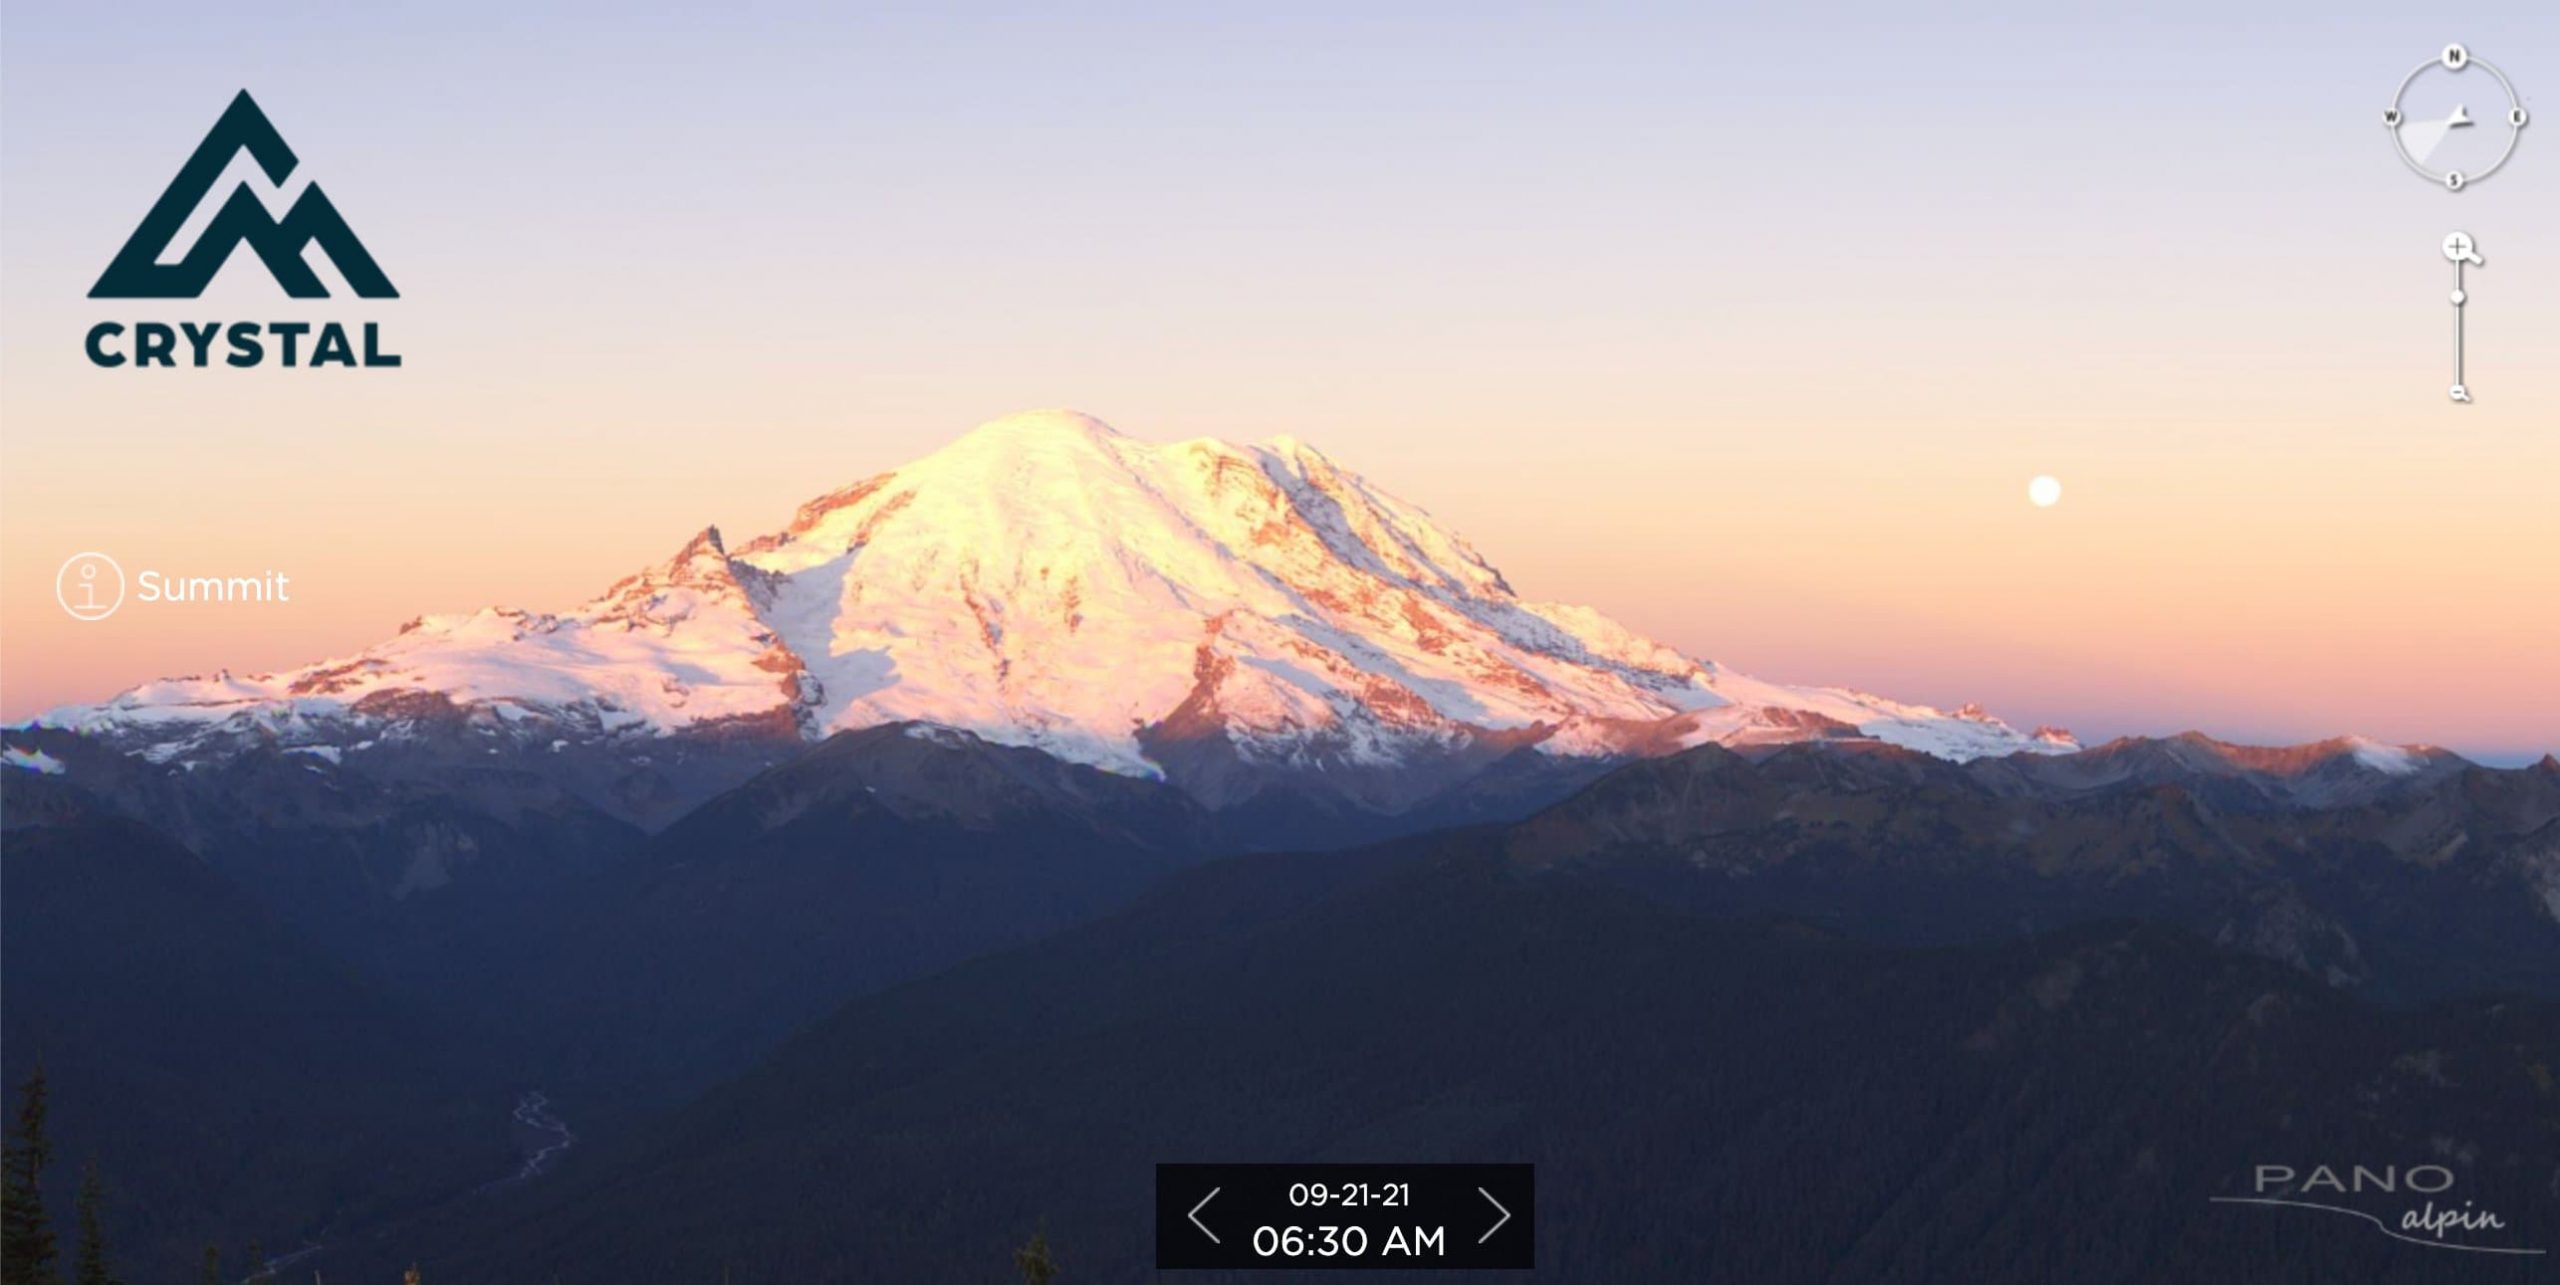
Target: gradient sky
1749,328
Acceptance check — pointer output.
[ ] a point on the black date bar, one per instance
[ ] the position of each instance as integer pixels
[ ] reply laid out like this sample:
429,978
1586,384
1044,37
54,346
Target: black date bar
1360,1217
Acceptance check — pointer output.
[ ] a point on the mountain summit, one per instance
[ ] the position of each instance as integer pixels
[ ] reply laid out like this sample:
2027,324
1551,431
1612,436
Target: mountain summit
1213,613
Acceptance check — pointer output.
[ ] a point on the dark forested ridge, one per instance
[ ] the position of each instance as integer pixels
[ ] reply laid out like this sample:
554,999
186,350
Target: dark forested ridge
432,883
1827,1012
2439,883
1705,1100
880,856
231,1082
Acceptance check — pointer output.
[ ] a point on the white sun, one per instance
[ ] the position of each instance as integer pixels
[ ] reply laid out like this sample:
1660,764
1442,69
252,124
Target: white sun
2045,491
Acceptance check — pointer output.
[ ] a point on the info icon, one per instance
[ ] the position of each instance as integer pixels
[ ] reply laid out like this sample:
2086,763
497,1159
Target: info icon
90,586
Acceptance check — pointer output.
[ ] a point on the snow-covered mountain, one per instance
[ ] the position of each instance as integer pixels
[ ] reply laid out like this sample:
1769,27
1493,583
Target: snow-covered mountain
1201,610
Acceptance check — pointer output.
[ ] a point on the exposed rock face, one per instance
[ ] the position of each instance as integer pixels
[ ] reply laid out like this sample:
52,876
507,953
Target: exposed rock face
1234,618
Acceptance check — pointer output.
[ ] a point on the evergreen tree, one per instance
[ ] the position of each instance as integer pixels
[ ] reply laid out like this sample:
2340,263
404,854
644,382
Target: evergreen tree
212,1266
1034,1260
91,1264
26,1240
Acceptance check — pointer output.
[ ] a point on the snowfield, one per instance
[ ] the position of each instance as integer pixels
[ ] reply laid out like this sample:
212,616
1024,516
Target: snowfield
1049,582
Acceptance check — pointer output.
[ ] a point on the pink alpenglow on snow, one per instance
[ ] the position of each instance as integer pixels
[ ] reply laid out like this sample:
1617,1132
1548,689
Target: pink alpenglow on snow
1046,581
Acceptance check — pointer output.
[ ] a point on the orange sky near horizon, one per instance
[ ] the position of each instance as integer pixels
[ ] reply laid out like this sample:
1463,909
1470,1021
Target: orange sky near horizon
2156,596
1760,363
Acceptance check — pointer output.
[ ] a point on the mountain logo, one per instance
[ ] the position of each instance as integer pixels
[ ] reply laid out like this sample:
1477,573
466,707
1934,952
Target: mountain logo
137,272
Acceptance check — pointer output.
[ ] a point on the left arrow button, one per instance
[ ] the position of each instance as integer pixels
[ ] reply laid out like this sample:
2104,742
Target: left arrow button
1195,1215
